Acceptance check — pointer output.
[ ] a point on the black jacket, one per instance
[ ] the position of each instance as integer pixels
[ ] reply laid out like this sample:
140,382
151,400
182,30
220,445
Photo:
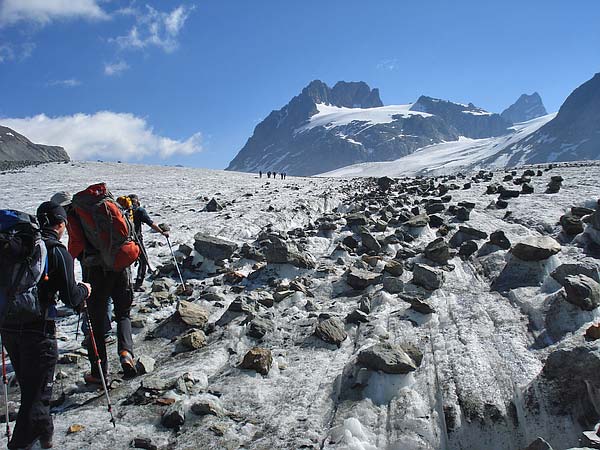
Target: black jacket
61,278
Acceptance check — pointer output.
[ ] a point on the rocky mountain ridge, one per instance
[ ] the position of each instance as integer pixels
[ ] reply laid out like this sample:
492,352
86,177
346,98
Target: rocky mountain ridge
18,150
573,135
326,128
527,107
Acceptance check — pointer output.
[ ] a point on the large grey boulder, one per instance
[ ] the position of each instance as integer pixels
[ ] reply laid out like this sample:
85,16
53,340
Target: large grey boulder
536,248
427,277
331,331
386,357
438,251
587,267
212,247
278,251
360,279
539,444
582,291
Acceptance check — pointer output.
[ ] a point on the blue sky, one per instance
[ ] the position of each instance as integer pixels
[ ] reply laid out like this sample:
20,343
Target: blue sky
185,82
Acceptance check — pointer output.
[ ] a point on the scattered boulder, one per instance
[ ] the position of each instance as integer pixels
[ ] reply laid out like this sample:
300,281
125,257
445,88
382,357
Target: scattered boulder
386,357
192,315
145,364
208,406
588,268
331,331
536,248
278,251
417,221
213,206
464,234
571,224
582,291
258,359
539,444
370,242
259,327
554,185
360,279
357,316
467,248
418,304
463,214
384,183
499,239
393,285
438,251
174,416
394,268
192,340
593,332
213,248
427,277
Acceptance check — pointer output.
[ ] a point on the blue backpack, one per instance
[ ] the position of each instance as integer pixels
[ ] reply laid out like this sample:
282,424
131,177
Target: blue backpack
23,263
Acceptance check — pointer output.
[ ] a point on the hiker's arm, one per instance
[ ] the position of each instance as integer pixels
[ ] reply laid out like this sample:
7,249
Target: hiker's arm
145,218
71,293
159,230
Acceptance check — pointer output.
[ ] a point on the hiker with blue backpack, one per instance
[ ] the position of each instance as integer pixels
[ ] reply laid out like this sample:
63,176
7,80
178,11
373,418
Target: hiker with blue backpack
35,269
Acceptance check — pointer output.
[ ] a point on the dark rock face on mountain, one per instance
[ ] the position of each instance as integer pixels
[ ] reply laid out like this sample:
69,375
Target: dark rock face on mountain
469,120
574,134
326,128
527,107
15,147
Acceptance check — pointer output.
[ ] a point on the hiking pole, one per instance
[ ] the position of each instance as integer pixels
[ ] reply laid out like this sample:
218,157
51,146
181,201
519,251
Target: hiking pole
77,329
5,382
100,371
176,264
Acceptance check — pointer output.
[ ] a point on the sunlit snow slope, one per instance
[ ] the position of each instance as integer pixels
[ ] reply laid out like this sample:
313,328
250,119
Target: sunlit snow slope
464,154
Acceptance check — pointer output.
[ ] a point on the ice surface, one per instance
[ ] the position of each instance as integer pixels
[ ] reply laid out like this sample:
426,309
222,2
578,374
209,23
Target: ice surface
479,352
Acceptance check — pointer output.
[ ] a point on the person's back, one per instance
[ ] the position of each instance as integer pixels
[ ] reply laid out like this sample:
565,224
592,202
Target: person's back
31,342
108,281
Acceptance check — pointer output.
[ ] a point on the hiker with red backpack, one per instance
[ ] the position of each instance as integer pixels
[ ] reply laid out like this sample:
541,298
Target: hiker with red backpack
104,235
35,268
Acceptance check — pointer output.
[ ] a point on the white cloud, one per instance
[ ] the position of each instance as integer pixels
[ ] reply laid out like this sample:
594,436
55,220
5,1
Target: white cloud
103,135
44,11
155,29
15,52
389,64
70,82
115,68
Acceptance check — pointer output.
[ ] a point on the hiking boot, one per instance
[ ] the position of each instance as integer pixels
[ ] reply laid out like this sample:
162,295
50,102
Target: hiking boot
91,379
138,287
127,363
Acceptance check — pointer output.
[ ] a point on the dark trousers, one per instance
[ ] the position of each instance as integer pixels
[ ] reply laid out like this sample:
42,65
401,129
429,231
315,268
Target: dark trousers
142,264
107,284
33,355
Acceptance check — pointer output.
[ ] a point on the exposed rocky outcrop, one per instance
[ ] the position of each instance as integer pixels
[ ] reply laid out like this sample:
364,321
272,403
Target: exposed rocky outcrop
527,107
16,148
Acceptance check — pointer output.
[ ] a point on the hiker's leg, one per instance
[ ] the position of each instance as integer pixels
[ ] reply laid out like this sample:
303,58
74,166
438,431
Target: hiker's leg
40,414
102,283
122,295
34,358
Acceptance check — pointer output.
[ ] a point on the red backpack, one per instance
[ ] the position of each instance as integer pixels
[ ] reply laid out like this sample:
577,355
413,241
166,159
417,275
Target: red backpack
105,227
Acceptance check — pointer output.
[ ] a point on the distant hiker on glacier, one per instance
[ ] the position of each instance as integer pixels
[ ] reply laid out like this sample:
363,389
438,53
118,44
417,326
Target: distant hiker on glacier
268,174
104,240
31,257
140,216
260,174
